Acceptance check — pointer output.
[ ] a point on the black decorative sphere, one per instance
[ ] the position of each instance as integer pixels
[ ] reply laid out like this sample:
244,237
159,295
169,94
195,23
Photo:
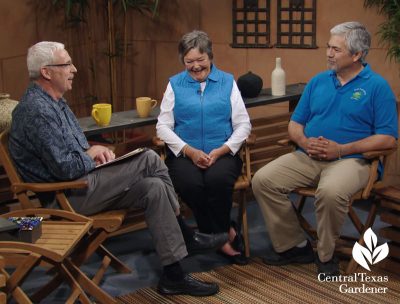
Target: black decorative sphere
250,85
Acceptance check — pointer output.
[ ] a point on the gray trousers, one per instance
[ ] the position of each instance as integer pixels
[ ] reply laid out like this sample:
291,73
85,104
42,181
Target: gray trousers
336,182
141,181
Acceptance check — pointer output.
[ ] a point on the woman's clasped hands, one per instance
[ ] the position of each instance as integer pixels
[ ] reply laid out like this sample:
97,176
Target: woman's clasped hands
202,159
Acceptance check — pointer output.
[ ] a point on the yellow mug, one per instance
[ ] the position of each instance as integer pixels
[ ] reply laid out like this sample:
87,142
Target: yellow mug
101,113
144,105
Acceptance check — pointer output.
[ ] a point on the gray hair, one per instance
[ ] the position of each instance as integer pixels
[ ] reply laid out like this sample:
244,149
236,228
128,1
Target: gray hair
195,40
41,54
357,37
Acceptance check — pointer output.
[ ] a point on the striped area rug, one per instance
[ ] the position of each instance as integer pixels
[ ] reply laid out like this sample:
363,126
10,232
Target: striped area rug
259,283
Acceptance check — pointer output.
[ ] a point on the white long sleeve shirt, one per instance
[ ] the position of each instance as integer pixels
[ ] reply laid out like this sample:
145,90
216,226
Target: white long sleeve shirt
166,122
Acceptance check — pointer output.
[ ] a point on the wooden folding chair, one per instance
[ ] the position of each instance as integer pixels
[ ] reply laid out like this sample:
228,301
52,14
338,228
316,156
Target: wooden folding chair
374,157
105,224
64,234
3,295
389,199
241,186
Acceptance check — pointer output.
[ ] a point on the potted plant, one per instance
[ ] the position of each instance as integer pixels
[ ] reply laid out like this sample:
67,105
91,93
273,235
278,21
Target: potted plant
389,30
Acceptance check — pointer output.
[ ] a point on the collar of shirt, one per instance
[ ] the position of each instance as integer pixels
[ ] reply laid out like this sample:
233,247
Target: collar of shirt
365,73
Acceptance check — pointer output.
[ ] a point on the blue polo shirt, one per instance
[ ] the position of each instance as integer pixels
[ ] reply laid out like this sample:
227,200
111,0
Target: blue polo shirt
363,107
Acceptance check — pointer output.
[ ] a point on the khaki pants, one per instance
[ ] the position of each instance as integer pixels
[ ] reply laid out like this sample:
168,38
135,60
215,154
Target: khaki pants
336,182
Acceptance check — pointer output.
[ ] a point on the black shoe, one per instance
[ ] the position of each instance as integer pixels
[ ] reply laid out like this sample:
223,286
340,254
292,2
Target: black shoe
327,269
202,242
300,255
239,259
187,286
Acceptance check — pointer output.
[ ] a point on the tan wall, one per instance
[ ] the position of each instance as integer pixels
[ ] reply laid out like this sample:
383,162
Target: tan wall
152,45
152,50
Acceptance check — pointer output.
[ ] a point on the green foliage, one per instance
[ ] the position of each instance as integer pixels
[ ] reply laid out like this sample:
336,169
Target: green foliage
389,31
142,6
75,9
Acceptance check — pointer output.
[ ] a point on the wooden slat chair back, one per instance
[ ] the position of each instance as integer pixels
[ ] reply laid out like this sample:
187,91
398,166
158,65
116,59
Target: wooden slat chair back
242,184
268,130
389,199
375,157
105,224
63,235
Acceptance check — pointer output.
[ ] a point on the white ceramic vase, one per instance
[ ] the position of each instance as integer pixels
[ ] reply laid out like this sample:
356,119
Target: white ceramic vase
278,79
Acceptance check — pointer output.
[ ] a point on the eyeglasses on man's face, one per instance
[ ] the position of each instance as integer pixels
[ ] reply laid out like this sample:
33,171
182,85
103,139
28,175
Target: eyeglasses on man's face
69,64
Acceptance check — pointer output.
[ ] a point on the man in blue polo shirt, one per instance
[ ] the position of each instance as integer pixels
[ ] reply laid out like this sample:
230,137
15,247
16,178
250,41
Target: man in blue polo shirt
342,113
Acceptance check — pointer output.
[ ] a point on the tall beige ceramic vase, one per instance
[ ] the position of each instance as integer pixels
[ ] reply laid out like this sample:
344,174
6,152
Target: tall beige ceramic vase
7,105
278,79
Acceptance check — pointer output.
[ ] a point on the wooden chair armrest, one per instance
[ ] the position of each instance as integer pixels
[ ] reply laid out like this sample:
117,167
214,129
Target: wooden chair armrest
285,142
367,155
251,140
46,187
378,153
71,216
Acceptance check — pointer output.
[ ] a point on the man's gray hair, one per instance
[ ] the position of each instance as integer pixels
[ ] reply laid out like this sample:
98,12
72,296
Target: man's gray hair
195,40
356,35
41,54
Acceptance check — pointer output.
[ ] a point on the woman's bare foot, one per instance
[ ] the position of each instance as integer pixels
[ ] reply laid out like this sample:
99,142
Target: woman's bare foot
231,234
228,249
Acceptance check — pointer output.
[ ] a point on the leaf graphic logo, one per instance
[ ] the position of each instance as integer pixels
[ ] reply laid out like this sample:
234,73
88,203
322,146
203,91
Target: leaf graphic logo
371,254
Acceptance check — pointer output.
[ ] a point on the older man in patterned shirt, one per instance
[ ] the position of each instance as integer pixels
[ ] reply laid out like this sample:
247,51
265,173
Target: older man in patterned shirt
47,145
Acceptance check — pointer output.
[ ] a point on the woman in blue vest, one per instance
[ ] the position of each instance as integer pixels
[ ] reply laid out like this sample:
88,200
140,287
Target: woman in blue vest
204,122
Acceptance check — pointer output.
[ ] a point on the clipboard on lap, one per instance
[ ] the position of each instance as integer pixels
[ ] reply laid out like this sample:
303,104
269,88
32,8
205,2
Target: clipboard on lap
125,156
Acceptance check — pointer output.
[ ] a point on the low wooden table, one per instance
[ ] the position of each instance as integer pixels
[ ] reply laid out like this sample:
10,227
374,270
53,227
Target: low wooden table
58,242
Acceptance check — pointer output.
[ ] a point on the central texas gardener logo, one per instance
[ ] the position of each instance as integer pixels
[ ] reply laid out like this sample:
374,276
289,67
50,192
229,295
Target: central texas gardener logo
371,254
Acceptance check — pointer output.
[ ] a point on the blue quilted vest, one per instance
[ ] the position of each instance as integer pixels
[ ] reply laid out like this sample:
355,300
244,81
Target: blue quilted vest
203,120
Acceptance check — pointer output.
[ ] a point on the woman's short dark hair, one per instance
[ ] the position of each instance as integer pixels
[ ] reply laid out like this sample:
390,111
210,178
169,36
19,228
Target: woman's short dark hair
195,40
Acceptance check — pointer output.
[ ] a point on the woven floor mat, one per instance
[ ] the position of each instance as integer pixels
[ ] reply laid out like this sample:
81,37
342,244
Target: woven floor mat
260,283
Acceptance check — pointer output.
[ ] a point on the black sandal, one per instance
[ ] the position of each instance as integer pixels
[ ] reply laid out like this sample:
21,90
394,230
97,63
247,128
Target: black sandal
238,242
239,259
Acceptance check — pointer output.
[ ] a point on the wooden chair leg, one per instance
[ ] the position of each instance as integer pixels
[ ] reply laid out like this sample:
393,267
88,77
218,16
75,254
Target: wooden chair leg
95,242
242,222
352,266
88,285
40,294
18,294
18,276
301,203
74,285
115,262
96,279
303,222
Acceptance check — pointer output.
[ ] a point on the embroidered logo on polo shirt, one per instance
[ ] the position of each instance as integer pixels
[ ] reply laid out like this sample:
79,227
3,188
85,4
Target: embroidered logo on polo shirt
358,94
